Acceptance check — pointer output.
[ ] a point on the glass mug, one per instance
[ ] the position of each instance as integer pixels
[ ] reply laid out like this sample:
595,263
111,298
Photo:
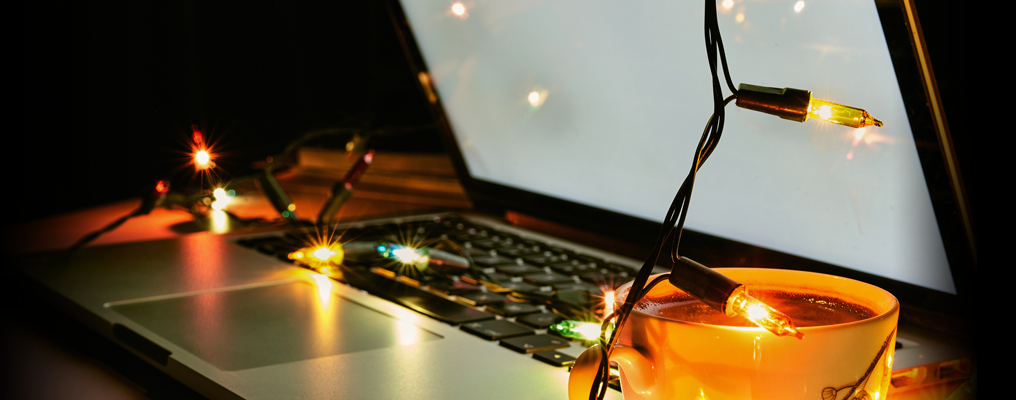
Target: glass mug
663,358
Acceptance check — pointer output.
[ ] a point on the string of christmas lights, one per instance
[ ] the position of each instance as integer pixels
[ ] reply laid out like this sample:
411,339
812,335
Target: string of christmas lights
216,196
719,292
328,256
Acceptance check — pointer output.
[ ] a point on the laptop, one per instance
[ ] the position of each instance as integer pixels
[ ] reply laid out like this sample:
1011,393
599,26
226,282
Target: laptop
579,118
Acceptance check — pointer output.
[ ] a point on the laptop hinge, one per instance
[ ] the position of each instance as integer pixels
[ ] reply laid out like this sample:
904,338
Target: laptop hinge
575,235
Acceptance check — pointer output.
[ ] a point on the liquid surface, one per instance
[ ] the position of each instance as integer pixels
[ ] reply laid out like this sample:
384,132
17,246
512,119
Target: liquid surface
804,308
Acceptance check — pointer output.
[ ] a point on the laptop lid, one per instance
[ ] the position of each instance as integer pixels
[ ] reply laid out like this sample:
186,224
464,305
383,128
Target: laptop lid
587,114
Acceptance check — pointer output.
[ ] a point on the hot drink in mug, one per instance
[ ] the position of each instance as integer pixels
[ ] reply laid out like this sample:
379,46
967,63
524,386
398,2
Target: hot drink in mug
675,347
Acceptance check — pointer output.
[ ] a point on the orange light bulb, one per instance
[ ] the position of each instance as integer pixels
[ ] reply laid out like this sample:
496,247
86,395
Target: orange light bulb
742,304
202,159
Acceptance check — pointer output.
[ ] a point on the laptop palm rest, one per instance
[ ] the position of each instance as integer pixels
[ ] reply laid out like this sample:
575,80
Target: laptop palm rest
254,327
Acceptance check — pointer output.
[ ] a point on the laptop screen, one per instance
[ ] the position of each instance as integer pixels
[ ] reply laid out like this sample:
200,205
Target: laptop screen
602,103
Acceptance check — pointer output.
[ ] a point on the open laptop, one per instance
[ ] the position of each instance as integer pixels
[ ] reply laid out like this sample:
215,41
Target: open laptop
582,116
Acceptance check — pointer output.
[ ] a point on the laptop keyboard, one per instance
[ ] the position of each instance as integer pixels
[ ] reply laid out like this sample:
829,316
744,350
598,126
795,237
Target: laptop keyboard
481,304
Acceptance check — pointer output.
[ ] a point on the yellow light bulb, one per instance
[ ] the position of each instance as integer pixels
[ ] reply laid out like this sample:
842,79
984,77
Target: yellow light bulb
742,304
323,253
840,114
319,256
798,105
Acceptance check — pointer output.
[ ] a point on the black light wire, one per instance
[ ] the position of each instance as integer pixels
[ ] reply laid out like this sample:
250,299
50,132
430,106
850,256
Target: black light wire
88,238
676,215
147,205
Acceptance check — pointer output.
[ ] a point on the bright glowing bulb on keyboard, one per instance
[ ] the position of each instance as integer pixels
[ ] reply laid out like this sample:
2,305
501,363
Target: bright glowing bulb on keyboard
323,253
587,331
415,257
319,256
608,303
407,255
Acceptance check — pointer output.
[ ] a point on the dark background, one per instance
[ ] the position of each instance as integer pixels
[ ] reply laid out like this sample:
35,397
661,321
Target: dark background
111,89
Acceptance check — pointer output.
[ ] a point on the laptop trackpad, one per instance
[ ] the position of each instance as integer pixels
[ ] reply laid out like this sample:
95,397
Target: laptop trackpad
254,327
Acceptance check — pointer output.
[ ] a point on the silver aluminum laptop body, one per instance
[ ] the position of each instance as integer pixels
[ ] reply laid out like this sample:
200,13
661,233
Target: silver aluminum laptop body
231,322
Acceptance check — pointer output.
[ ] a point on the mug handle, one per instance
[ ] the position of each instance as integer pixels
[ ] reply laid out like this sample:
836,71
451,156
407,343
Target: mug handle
639,371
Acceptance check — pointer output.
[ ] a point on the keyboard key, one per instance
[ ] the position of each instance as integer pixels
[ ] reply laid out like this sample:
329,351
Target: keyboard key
514,287
499,277
517,269
620,269
545,259
470,278
580,298
534,343
585,258
483,298
541,320
517,251
489,261
572,267
530,243
274,245
453,288
478,252
582,286
555,358
496,329
603,276
547,278
421,301
489,243
443,309
511,309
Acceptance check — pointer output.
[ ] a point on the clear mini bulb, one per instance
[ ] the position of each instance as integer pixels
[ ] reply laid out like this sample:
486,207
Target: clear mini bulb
840,114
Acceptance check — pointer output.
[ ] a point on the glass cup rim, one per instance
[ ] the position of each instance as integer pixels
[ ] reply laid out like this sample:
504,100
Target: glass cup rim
893,309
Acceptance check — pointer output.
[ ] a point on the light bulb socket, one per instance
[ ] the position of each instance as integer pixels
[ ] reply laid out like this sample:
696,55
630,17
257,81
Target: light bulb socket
702,283
280,201
786,103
